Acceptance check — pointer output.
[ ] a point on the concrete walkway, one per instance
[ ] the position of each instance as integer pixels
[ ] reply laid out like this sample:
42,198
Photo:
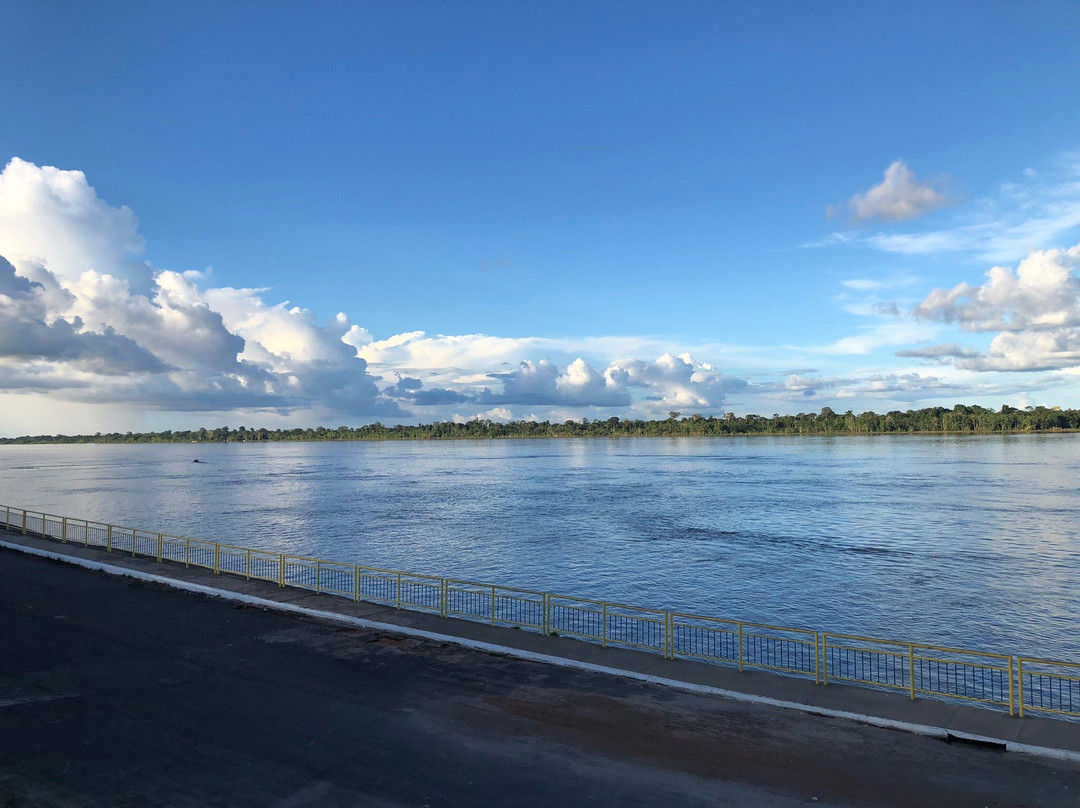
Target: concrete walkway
1046,737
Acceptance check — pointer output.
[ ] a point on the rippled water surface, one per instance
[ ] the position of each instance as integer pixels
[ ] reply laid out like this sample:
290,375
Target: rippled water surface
969,541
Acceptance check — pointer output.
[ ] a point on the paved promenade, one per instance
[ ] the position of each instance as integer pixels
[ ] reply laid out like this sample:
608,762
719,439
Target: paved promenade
121,692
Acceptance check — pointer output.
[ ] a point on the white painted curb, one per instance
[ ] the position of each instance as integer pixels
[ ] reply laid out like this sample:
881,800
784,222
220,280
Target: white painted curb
532,656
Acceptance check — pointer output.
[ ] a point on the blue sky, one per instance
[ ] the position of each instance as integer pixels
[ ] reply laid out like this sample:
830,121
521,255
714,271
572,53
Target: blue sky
541,210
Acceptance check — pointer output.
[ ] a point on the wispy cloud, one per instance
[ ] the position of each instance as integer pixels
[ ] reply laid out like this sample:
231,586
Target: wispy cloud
879,335
901,280
952,349
1041,210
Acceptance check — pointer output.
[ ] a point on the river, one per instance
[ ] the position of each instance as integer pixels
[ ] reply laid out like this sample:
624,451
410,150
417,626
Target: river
969,541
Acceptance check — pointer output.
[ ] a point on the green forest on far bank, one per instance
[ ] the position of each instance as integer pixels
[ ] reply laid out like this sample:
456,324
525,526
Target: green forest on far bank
959,419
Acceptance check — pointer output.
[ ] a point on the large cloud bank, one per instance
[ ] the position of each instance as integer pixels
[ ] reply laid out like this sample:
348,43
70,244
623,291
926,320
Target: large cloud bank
81,318
84,319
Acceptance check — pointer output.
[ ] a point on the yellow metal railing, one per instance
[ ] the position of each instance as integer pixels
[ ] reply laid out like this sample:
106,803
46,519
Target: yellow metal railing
500,605
1048,686
914,668
1018,684
748,645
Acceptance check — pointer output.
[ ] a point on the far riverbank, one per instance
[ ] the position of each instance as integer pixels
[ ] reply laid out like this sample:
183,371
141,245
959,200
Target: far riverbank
960,420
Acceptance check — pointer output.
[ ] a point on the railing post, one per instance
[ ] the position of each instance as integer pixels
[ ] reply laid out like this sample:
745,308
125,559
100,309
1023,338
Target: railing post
1012,704
24,523
603,630
911,670
1020,685
356,583
86,534
133,531
817,657
318,576
217,558
825,659
187,553
444,598
397,605
740,648
281,570
108,539
63,530
247,576
546,619
493,606
160,547
668,652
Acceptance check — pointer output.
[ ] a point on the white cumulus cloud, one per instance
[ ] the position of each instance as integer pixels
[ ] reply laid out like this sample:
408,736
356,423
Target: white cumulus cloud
83,318
1042,293
898,197
1035,311
56,218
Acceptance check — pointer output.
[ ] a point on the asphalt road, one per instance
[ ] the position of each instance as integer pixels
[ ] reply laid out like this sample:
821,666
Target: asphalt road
120,693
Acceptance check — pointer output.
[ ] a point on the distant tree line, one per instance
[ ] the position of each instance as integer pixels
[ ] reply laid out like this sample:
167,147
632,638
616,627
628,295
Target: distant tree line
959,419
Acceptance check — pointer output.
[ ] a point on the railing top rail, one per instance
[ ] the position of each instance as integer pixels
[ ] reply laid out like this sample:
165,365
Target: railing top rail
380,570
804,638
921,646
242,549
1038,661
294,557
745,623
970,663
611,605
308,559
828,635
779,628
44,515
965,651
553,597
734,623
423,576
497,587
602,603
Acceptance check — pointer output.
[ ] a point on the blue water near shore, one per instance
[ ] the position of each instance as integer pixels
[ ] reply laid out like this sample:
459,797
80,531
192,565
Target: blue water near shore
954,540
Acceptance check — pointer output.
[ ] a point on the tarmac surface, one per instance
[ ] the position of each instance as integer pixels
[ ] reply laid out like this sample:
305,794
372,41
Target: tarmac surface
117,692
